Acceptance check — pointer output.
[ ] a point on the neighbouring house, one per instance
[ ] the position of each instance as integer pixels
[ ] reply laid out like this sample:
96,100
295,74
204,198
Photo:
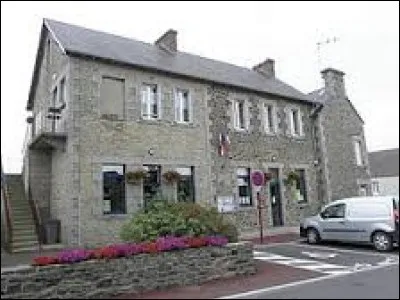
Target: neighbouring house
104,108
343,152
384,166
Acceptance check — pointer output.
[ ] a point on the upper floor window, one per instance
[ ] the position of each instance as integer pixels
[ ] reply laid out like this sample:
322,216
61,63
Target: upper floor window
239,114
114,200
112,97
62,98
244,187
269,119
182,106
150,102
358,152
295,122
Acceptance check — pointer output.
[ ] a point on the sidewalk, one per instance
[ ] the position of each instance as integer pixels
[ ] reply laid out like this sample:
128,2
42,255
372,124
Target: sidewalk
272,235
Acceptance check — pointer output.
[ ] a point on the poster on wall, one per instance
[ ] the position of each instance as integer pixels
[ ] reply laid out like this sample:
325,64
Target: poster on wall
226,203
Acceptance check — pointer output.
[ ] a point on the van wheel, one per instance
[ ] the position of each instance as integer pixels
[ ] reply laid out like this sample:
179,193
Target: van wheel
382,241
312,236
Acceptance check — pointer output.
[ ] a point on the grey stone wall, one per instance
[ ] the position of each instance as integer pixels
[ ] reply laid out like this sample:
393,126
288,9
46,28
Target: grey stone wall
40,180
257,150
341,125
96,140
140,273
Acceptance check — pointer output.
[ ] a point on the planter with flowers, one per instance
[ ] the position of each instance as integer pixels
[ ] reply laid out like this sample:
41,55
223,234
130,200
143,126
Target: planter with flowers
171,176
135,177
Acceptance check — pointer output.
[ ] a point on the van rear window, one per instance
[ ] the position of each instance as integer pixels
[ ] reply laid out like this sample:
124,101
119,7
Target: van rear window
395,203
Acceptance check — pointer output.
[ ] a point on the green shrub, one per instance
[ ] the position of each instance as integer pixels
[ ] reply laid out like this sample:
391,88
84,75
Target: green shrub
163,218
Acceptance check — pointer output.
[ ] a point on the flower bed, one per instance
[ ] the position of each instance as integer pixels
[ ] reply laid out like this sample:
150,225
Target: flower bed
162,244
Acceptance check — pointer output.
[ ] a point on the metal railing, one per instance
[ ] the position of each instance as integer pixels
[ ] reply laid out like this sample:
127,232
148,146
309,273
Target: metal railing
7,208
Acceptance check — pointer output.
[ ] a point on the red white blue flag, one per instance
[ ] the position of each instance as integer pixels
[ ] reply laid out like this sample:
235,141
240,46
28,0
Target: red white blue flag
224,144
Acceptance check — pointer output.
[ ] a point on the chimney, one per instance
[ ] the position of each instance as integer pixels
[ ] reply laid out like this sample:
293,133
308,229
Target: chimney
334,83
266,68
168,41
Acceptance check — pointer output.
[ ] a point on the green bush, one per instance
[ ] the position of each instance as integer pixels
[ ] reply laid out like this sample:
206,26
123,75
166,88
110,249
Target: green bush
163,218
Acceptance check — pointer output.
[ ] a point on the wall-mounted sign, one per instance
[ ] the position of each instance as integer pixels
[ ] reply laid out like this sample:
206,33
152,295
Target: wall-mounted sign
226,203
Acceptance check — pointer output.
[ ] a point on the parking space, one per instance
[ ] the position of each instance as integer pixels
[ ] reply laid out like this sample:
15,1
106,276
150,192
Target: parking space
327,259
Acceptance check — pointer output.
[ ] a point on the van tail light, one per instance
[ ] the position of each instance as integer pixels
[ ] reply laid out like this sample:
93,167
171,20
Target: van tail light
396,215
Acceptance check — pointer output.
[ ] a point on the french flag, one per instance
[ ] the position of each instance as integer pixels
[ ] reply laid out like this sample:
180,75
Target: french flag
224,144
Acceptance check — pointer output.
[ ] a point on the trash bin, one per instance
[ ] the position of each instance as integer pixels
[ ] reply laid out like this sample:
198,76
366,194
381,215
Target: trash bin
52,231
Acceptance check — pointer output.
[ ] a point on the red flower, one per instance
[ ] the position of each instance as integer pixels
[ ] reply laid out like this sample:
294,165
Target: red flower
196,242
44,260
150,248
105,252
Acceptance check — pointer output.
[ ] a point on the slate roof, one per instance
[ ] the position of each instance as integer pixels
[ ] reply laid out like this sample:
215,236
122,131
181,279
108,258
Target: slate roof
79,41
384,163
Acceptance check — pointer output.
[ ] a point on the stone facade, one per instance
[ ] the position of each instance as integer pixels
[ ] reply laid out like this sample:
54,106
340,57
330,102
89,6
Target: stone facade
342,126
139,273
67,181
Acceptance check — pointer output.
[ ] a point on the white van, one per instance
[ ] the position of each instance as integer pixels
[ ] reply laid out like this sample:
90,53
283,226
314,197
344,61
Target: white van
372,219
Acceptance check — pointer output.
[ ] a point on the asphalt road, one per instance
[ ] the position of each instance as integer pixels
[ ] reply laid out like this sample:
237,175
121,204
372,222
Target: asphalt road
380,283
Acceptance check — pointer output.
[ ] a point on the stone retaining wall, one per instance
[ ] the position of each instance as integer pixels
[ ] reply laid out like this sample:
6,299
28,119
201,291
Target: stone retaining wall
144,272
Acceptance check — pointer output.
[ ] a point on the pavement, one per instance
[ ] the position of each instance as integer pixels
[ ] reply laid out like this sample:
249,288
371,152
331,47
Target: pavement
380,283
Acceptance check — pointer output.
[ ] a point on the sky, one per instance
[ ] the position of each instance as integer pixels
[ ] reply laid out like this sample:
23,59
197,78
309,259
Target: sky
241,33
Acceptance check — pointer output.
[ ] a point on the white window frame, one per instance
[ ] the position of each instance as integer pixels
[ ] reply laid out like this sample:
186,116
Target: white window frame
358,152
236,117
178,105
270,128
375,188
292,122
146,101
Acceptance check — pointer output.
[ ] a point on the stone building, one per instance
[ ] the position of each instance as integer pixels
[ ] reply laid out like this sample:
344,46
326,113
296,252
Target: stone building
104,106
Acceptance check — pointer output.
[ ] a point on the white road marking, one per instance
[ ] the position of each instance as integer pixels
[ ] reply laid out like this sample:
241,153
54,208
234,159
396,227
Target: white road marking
297,283
343,250
322,255
311,265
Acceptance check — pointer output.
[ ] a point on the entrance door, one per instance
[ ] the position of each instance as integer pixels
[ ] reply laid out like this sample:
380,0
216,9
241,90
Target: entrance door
275,197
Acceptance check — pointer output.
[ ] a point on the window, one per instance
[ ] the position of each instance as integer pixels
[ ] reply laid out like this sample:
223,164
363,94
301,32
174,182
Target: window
239,114
295,122
362,190
112,97
114,201
244,188
55,97
375,188
150,102
62,91
358,152
182,106
301,187
269,120
186,185
334,211
151,183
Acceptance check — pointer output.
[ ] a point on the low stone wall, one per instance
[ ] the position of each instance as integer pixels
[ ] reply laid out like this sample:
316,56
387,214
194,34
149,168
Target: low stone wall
143,272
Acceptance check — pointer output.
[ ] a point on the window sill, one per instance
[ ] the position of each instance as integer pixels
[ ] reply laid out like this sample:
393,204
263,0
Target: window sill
113,216
183,124
298,137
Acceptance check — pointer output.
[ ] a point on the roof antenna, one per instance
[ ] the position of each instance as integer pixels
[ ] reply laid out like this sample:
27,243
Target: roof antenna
324,43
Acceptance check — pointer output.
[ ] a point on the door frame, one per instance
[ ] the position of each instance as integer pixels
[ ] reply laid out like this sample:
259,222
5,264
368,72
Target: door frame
279,166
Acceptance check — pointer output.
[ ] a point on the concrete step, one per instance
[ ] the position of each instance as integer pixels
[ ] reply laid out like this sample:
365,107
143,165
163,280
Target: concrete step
24,244
24,238
24,223
23,231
